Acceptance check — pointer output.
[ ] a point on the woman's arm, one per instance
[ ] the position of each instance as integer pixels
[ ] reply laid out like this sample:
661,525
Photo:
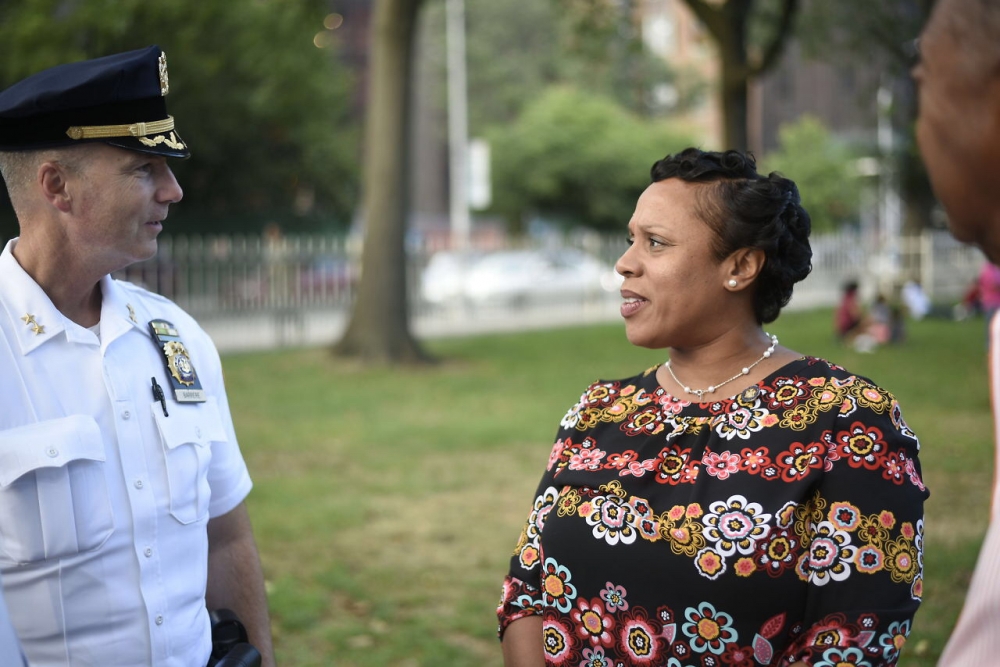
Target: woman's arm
522,643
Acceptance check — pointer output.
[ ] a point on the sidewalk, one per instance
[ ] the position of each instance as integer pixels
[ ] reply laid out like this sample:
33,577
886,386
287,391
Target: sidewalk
315,328
318,327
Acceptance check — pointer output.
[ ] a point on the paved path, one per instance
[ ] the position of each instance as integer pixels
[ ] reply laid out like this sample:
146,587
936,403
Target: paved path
317,327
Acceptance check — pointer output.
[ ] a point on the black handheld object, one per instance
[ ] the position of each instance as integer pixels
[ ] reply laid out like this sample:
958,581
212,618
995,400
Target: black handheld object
158,396
230,644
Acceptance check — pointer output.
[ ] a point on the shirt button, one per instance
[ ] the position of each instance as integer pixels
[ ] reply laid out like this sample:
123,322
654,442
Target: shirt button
138,483
52,452
159,620
126,414
148,552
197,430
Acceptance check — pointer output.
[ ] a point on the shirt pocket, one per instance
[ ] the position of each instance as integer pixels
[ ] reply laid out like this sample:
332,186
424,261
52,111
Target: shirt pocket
54,498
187,436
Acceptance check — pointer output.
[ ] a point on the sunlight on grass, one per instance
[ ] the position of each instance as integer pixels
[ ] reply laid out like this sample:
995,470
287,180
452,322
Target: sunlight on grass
387,502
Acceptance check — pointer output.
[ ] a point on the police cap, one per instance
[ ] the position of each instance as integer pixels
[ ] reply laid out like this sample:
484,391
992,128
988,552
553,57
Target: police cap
117,100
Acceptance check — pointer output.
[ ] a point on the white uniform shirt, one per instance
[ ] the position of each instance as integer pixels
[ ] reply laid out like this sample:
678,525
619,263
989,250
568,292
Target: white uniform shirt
10,649
104,501
976,640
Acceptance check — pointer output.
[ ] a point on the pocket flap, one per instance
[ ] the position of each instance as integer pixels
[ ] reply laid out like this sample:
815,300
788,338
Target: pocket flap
199,423
48,444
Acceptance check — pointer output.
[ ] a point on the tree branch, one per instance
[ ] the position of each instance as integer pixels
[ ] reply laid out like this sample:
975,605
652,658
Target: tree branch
779,40
710,17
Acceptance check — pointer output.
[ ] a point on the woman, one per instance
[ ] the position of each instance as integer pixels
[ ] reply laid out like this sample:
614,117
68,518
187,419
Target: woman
740,504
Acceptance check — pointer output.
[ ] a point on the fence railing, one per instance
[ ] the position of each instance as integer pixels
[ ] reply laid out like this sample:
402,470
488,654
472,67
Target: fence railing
300,288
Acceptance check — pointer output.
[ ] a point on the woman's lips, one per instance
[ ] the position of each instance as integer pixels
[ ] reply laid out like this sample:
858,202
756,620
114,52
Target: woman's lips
631,303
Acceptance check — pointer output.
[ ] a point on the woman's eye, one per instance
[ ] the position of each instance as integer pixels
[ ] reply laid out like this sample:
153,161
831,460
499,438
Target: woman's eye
629,240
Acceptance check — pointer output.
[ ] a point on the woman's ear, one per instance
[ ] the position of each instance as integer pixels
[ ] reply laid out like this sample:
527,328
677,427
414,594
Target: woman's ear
743,266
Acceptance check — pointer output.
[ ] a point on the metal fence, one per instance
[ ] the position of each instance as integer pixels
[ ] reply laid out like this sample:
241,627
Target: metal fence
253,293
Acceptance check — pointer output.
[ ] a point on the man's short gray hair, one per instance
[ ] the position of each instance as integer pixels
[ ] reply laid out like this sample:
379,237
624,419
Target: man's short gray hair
18,168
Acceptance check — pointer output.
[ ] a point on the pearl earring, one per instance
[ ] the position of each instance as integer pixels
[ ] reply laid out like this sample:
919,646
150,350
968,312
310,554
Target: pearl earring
732,282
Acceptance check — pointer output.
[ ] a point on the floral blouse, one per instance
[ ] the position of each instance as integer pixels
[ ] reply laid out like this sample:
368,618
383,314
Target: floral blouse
781,524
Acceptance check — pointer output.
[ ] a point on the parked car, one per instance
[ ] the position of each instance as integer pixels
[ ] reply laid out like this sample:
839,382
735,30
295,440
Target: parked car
517,277
328,278
443,280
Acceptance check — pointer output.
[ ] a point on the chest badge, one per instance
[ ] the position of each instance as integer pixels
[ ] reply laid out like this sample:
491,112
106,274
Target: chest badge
180,370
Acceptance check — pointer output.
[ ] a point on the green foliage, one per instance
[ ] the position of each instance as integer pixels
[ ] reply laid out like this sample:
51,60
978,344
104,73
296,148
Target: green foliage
822,167
513,54
577,158
865,32
265,112
516,49
877,38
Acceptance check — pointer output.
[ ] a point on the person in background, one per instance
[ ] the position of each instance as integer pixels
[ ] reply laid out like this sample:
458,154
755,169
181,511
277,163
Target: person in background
122,485
740,503
958,77
988,289
848,317
915,299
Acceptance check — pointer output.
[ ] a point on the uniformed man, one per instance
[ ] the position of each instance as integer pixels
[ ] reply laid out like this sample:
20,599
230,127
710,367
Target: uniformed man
121,481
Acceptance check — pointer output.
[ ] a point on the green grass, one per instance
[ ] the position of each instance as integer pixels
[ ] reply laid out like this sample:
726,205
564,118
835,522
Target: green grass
387,502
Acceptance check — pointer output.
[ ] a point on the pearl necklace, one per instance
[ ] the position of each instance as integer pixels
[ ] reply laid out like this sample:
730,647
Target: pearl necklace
700,393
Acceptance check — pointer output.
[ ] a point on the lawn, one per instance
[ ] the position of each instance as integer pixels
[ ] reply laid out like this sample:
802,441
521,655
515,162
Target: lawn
387,502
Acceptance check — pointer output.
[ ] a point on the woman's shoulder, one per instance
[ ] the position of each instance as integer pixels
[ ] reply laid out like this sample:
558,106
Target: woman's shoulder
603,389
829,384
642,378
820,367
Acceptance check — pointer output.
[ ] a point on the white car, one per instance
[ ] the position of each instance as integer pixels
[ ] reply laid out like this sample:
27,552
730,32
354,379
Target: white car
518,277
443,281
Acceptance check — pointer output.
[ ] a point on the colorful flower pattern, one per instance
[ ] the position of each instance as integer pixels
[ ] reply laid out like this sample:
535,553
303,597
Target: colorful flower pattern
692,534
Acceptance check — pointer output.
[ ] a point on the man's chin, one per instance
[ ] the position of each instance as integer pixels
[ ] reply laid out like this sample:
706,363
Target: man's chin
146,251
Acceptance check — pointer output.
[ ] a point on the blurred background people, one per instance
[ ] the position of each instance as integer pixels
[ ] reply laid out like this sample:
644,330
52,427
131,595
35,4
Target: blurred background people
849,313
882,324
988,289
917,303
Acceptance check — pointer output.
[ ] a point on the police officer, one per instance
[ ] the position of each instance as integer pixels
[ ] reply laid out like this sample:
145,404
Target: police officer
121,480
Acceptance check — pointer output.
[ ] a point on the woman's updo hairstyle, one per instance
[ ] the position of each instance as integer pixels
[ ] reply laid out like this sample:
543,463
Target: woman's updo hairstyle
748,210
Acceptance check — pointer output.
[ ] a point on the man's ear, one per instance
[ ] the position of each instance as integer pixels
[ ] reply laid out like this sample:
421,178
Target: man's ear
53,180
744,265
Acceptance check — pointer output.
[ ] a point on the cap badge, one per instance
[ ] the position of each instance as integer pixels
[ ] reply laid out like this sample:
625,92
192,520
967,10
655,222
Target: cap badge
164,80
163,139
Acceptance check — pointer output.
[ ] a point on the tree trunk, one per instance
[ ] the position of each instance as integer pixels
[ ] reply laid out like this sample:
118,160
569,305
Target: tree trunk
728,23
379,329
732,42
733,90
